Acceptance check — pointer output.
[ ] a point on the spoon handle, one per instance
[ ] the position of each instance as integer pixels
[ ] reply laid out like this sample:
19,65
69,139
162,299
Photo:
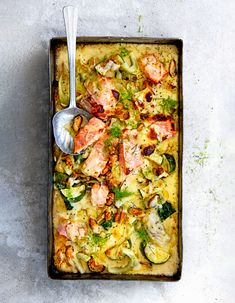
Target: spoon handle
70,19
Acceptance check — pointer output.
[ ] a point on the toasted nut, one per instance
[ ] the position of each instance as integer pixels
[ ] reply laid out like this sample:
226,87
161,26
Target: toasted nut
106,169
69,252
94,267
158,171
140,126
77,123
107,215
148,150
172,68
136,211
110,199
120,217
94,226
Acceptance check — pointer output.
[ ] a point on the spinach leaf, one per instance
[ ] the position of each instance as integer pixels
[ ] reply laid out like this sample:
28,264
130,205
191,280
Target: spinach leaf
67,204
107,224
165,210
60,180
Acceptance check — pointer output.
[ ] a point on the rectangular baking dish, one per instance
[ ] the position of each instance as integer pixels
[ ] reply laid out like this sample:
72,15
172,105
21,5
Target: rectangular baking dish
52,271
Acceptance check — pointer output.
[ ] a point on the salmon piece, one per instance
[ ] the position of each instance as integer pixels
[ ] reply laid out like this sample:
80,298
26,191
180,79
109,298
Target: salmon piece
99,194
88,134
162,130
71,230
152,68
130,156
97,160
102,98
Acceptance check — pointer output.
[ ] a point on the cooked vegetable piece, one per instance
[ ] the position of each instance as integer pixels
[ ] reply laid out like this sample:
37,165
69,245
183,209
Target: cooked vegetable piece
63,89
95,267
132,263
129,67
73,192
171,163
107,224
60,180
155,254
165,210
77,121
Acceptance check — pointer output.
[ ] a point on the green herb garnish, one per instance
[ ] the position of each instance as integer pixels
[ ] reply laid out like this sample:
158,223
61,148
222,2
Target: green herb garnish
124,52
165,210
168,105
120,194
126,95
142,233
115,131
97,240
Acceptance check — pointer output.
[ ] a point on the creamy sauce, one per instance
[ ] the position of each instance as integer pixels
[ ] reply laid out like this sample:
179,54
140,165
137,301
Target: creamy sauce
123,233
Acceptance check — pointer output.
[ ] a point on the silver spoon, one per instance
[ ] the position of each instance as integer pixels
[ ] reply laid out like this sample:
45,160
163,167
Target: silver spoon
62,118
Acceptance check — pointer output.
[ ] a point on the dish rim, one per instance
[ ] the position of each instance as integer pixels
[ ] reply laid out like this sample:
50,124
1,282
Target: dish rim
53,273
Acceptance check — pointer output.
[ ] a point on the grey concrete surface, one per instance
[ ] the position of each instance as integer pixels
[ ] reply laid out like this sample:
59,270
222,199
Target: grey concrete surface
208,31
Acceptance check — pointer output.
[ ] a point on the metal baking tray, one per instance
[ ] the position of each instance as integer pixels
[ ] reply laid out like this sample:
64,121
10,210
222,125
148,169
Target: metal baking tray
52,271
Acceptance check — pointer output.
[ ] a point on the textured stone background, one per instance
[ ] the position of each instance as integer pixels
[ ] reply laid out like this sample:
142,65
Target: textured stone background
208,31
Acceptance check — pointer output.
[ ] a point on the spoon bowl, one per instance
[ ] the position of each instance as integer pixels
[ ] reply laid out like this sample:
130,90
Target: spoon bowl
61,121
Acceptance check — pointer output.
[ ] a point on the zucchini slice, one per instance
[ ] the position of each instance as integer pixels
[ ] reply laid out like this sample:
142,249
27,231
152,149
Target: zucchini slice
130,265
171,163
73,192
155,254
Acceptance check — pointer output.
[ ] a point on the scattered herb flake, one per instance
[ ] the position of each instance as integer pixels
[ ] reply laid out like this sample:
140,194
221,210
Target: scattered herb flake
115,131
120,194
142,233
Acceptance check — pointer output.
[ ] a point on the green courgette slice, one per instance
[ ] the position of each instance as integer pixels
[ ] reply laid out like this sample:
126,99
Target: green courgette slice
155,254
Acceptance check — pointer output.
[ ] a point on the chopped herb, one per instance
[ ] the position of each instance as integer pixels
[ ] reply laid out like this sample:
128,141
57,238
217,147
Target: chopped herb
168,105
165,211
126,95
120,194
108,142
142,233
124,52
115,131
104,58
97,240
